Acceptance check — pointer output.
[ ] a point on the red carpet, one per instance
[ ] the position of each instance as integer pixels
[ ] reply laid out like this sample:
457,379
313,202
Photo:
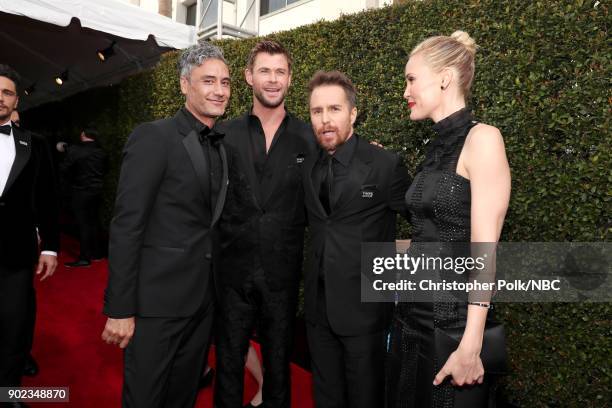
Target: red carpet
71,354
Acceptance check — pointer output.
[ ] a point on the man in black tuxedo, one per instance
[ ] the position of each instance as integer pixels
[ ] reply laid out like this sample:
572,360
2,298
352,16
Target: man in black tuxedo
172,188
28,200
262,230
353,191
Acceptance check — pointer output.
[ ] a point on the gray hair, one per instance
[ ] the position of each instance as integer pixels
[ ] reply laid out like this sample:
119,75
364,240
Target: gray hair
195,56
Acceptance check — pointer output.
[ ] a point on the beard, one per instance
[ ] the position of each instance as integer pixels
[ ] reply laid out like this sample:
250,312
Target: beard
331,145
268,103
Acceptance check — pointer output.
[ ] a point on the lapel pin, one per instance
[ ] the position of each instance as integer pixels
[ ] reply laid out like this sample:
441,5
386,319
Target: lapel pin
23,143
299,159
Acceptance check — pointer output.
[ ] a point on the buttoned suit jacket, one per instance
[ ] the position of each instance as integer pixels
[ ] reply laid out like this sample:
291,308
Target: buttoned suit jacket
364,209
163,234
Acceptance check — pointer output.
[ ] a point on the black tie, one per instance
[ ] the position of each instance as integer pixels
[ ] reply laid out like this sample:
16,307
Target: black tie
326,190
6,129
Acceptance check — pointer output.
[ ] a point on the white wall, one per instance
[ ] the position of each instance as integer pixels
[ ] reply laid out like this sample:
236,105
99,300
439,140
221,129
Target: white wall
293,16
310,11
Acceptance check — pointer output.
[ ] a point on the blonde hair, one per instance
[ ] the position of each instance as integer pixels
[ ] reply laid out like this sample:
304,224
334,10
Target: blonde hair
456,51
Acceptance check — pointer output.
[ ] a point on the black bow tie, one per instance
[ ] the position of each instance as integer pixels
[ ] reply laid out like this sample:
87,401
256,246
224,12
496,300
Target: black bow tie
6,129
212,136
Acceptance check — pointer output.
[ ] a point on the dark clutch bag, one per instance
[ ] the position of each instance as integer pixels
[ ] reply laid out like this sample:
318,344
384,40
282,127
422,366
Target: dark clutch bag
493,353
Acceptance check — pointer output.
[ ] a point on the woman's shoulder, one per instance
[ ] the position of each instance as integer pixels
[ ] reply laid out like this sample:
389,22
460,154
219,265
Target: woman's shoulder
483,137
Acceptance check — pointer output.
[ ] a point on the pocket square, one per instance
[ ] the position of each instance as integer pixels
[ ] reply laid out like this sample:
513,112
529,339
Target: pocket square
367,190
367,194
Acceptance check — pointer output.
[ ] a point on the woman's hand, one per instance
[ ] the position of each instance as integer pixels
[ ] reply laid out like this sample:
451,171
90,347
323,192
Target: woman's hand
464,365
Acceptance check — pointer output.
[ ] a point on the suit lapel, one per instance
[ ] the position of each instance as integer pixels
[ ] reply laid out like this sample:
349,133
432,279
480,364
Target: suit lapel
244,149
224,184
358,172
23,151
191,142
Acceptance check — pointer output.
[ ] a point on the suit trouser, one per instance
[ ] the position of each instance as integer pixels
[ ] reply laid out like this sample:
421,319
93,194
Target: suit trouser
85,207
164,360
16,300
273,314
347,371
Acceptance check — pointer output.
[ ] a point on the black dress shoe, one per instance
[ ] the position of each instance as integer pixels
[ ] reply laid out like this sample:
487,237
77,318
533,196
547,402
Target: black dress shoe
81,263
30,368
207,379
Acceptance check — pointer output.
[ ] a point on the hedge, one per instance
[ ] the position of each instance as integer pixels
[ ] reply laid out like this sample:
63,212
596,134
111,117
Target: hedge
543,74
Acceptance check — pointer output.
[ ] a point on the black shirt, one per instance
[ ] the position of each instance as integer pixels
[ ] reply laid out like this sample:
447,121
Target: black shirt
263,162
209,138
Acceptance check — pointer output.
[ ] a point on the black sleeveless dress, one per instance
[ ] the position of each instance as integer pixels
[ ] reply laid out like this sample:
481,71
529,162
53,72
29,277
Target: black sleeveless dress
439,203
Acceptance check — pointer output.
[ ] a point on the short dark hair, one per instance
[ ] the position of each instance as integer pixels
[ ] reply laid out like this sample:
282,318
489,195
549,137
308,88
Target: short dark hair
322,78
91,132
269,47
10,73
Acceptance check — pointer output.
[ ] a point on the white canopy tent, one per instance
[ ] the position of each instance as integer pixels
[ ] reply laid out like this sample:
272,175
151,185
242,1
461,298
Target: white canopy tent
42,39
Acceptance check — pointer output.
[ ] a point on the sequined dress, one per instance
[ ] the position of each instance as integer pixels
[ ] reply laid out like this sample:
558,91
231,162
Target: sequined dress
439,203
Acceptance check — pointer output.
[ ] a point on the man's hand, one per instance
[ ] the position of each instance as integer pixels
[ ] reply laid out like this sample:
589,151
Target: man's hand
46,263
118,331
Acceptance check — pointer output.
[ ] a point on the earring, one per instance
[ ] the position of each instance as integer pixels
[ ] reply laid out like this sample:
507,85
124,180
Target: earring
442,87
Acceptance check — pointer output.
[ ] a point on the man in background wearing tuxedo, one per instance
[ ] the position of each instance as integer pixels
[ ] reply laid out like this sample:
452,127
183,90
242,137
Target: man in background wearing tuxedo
172,187
28,200
84,167
353,191
262,230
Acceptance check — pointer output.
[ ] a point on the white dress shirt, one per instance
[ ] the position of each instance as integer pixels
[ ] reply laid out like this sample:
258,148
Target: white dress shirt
7,158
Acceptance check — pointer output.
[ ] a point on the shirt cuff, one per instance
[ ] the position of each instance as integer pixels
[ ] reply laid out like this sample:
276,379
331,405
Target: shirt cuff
52,253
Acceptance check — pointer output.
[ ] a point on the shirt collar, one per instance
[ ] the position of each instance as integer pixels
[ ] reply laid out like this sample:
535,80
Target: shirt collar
194,122
344,152
452,122
9,122
252,116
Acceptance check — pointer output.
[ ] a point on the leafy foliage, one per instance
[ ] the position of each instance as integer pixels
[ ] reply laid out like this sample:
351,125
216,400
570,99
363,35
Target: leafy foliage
543,74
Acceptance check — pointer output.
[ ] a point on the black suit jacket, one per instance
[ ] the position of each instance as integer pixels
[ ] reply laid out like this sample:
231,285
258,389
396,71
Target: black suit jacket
265,227
162,235
29,201
365,211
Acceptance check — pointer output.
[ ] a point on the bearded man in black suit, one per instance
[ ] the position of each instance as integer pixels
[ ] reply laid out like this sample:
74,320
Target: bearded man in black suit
28,201
163,239
353,192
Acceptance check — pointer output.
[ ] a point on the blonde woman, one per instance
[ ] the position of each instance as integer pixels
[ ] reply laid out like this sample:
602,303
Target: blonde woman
460,194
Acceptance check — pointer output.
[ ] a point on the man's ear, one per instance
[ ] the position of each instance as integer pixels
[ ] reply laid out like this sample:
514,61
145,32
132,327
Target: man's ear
353,115
248,76
184,85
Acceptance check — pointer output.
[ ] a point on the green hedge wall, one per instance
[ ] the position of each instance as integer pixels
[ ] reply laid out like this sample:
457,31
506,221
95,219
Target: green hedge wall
542,76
